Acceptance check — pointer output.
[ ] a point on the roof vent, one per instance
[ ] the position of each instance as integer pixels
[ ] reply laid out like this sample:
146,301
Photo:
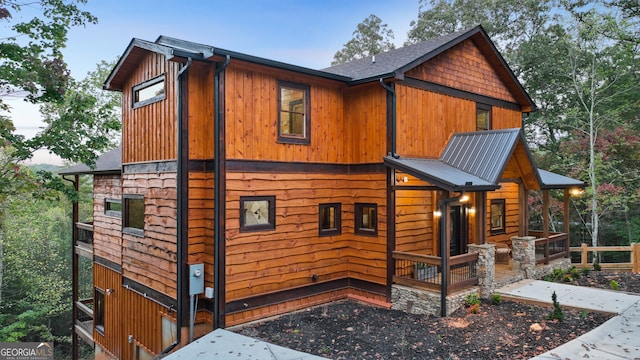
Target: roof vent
373,59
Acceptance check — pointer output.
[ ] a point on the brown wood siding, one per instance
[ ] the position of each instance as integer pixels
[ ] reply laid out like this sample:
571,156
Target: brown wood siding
107,229
502,118
510,193
149,132
414,221
201,225
201,110
267,261
105,278
144,322
151,259
251,104
366,124
464,67
426,120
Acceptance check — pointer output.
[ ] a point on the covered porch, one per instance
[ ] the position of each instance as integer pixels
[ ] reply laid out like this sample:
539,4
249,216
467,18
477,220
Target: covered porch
461,221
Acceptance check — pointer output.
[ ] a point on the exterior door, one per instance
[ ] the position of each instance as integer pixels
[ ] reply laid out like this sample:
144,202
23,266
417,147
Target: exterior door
458,225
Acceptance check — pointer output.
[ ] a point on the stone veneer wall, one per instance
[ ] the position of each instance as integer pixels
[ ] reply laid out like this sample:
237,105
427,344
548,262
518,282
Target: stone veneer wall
524,259
423,302
485,267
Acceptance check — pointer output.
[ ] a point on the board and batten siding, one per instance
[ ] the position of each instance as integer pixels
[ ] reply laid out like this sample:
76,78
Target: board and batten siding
151,259
149,132
273,260
106,278
107,229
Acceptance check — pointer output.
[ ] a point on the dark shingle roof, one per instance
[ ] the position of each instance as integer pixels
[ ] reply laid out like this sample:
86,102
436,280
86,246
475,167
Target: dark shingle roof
109,162
394,61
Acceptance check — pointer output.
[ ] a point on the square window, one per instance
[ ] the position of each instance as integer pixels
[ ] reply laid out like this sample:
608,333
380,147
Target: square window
113,207
330,222
133,215
257,213
149,92
293,118
366,219
497,216
98,310
483,117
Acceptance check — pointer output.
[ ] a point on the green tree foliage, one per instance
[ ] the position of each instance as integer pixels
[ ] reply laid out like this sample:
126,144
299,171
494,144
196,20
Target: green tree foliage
370,37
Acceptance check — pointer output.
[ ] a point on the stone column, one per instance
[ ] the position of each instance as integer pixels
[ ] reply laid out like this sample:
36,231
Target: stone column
485,267
523,249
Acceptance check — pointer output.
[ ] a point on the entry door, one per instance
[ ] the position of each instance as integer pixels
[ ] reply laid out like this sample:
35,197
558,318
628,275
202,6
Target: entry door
458,225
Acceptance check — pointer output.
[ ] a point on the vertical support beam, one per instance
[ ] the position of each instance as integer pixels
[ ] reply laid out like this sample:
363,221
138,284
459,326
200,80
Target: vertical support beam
545,223
481,218
391,230
524,210
74,273
584,255
565,220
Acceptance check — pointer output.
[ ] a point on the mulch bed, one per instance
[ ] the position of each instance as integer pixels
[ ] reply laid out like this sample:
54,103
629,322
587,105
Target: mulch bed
353,330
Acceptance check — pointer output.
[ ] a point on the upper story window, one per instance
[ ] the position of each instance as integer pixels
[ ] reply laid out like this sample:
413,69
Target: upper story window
483,117
294,109
149,92
366,221
133,215
98,310
330,222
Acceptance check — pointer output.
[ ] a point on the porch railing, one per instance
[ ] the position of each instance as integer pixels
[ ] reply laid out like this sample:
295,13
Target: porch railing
425,271
556,246
85,232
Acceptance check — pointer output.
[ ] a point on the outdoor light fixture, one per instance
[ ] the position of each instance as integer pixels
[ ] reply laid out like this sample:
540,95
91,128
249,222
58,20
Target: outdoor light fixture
576,191
472,211
437,213
402,179
464,198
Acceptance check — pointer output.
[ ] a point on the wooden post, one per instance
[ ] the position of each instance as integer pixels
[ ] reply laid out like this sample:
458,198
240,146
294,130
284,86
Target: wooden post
584,255
545,223
635,258
567,230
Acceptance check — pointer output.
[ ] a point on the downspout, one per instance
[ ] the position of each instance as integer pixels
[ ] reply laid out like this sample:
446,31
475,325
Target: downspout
218,202
180,215
391,196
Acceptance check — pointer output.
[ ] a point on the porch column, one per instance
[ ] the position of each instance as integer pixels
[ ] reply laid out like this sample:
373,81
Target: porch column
485,267
523,249
566,210
545,222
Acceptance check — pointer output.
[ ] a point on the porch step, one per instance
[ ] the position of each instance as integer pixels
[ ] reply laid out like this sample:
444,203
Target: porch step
507,278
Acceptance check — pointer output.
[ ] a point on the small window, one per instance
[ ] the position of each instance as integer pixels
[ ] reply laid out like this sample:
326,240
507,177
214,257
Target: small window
113,207
133,215
293,119
330,219
98,310
257,213
366,219
483,117
497,216
149,92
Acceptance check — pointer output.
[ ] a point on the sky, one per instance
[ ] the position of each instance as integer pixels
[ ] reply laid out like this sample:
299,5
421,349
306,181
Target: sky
300,32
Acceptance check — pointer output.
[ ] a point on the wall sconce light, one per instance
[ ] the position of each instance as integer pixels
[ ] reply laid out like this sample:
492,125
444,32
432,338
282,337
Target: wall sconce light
437,213
109,292
576,191
464,198
403,179
472,211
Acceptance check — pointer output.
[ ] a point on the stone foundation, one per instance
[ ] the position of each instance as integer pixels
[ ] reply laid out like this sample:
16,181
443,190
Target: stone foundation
524,259
423,302
485,267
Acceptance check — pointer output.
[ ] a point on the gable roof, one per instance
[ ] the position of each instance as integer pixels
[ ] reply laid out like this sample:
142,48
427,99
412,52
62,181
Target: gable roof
107,163
476,161
391,64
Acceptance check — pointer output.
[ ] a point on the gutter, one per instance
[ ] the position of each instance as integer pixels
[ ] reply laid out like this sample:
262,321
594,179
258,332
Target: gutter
180,216
218,201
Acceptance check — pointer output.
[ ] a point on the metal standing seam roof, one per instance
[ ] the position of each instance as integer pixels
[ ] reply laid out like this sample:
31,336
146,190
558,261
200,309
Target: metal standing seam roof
475,161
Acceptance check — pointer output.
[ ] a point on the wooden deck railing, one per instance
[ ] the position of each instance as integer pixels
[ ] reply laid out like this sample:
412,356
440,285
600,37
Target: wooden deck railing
425,271
556,246
633,265
85,232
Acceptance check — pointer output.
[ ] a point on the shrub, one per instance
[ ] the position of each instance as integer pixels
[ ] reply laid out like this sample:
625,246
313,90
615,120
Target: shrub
614,285
574,272
596,266
557,313
472,299
585,272
496,299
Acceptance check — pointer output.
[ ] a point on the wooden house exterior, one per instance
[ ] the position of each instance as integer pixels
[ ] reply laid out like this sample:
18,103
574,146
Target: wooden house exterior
292,187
